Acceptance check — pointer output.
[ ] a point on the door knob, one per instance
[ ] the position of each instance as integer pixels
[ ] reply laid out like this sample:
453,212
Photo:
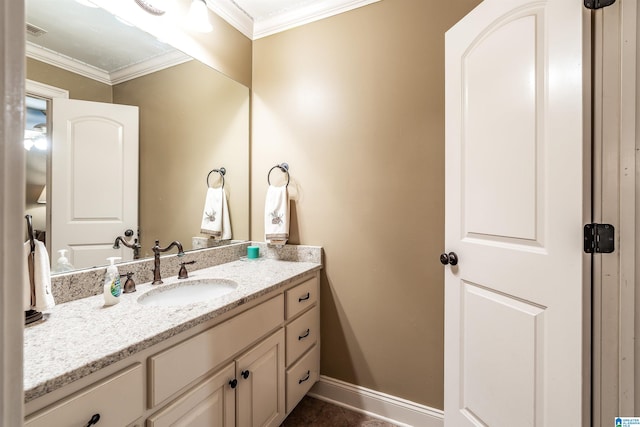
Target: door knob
450,258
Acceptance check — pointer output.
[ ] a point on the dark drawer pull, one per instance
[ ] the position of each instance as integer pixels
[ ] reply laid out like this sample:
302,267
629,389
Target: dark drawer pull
306,378
304,298
303,336
233,383
94,420
245,374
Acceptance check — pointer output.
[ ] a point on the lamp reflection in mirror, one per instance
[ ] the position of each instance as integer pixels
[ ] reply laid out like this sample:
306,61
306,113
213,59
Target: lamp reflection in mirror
42,199
86,3
198,17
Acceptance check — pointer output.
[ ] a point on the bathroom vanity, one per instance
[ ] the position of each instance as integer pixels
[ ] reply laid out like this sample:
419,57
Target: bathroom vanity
245,358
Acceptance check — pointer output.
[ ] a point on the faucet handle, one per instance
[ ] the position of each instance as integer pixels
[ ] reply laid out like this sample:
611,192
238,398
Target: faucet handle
129,285
182,274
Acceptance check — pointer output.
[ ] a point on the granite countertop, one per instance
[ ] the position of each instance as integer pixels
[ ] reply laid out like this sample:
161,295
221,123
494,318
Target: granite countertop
80,337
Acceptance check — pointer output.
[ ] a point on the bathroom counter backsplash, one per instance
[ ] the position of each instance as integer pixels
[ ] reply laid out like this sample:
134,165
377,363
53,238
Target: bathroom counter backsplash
85,283
81,335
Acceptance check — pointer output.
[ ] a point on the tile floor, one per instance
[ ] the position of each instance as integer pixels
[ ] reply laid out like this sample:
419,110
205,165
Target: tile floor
317,413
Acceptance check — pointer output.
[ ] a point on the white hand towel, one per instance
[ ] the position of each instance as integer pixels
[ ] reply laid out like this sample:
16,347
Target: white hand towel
44,296
26,284
42,278
276,215
215,217
226,219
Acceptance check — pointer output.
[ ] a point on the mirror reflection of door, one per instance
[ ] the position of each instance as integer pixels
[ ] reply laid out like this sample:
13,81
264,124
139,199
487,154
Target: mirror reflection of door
94,179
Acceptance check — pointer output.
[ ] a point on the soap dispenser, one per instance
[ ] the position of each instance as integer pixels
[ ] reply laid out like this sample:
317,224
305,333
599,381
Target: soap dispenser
112,288
63,263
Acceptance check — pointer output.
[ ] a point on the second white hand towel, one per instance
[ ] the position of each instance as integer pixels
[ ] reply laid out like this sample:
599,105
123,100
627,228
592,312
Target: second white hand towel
42,275
226,218
276,215
215,218
26,283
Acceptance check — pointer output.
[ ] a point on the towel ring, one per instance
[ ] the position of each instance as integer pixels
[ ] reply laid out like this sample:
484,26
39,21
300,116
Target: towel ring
284,167
221,171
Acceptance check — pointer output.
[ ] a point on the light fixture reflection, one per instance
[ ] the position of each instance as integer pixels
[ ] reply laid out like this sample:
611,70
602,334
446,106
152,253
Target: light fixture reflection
43,196
198,17
36,138
86,3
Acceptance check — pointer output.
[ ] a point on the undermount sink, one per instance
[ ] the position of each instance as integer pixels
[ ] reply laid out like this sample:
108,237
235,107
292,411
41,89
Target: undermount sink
188,292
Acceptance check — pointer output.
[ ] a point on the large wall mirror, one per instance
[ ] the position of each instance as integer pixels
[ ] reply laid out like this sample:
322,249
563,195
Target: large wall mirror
192,119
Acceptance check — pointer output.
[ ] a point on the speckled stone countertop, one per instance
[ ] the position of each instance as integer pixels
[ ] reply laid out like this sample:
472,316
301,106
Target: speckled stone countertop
82,336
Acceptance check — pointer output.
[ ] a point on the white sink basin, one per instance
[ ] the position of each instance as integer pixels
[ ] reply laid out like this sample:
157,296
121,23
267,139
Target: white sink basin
187,292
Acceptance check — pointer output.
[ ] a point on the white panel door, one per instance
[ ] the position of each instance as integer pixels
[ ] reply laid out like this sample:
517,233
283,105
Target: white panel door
516,191
260,393
94,179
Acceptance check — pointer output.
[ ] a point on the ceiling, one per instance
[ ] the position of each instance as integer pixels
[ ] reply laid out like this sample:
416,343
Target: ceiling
92,42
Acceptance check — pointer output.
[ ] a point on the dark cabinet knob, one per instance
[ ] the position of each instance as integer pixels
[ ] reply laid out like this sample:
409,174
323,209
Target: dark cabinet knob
128,232
233,383
450,258
94,420
245,374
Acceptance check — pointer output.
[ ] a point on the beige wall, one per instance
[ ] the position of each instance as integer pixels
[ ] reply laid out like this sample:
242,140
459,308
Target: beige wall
79,87
355,105
192,120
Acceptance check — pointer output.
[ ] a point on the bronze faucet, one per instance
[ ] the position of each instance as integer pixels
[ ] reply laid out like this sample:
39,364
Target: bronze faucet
183,274
135,246
156,258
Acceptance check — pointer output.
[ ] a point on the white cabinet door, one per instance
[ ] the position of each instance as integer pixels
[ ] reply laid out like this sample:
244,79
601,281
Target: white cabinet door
516,305
209,404
260,374
94,179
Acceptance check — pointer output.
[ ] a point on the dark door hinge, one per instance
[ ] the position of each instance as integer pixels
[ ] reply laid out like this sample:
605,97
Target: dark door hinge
599,238
598,4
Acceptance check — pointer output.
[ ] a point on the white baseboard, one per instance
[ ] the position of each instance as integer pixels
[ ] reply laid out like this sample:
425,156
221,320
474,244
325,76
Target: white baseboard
375,404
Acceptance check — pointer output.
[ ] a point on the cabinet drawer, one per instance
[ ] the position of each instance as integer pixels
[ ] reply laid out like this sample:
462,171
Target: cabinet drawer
301,376
302,296
302,333
119,399
178,366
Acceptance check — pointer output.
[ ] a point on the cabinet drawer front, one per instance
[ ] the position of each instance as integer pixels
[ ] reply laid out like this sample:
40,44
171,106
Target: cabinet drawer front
302,296
302,333
301,376
210,404
178,366
119,399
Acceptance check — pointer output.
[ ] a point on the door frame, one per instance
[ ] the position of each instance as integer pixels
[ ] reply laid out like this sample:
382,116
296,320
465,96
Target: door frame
12,223
48,93
615,319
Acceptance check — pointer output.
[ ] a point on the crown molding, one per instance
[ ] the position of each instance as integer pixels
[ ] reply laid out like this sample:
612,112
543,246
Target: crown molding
131,72
236,17
149,66
66,63
304,15
320,9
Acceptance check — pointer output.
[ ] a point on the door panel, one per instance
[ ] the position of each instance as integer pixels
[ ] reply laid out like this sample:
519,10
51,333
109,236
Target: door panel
500,196
516,188
94,179
502,356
